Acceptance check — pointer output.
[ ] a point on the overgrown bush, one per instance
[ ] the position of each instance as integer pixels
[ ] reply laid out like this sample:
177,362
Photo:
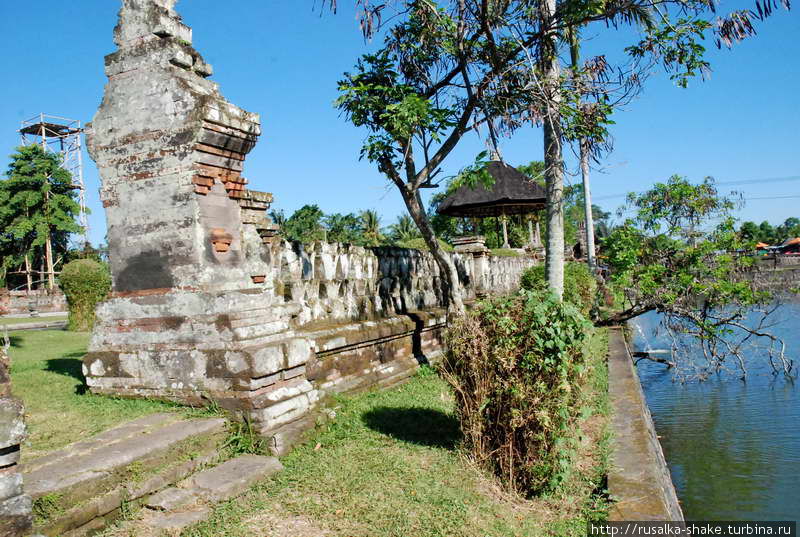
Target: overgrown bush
85,283
580,287
517,365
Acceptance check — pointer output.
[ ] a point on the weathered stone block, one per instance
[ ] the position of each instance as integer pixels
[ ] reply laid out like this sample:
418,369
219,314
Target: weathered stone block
267,360
15,516
12,424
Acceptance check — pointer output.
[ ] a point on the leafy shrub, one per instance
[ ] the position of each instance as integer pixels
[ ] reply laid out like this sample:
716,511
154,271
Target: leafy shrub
516,365
85,283
580,287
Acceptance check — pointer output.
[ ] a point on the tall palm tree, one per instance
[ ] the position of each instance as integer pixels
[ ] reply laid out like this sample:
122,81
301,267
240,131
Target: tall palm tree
371,227
404,229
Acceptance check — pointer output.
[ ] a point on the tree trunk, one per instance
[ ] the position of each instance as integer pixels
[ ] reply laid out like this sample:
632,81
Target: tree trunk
587,206
554,163
447,269
28,271
48,252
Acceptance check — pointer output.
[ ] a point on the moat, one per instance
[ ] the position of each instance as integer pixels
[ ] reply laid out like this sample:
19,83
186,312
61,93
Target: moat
733,447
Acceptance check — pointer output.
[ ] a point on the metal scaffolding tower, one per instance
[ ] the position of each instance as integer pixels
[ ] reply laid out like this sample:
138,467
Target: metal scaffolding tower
62,136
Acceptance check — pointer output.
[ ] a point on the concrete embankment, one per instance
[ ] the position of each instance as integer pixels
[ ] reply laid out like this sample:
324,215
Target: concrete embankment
639,480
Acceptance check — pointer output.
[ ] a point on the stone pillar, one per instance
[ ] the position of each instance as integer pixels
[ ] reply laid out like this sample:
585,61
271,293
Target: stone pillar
477,247
192,314
15,507
582,244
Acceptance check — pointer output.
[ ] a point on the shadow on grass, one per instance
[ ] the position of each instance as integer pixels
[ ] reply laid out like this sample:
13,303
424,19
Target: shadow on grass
423,426
70,366
15,341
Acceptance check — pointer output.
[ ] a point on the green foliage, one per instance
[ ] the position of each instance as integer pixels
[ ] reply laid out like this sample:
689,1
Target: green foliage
420,244
388,465
309,224
769,234
580,287
504,252
404,229
305,225
376,97
85,283
37,201
681,255
47,507
243,439
343,228
371,234
517,366
665,258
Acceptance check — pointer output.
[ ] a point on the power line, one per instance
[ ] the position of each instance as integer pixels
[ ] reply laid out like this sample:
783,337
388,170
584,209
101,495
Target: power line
773,197
723,183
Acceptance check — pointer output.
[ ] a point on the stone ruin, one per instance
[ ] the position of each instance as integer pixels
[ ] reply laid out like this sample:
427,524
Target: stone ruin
208,302
15,506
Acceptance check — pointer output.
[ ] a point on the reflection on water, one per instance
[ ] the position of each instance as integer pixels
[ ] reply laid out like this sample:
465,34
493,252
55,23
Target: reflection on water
733,447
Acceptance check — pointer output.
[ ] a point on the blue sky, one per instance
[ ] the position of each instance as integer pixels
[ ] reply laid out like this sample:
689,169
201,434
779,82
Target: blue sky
280,58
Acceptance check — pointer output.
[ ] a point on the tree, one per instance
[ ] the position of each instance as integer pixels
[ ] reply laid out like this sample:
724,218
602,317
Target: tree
371,228
37,211
279,218
672,258
305,225
749,232
404,229
344,228
467,64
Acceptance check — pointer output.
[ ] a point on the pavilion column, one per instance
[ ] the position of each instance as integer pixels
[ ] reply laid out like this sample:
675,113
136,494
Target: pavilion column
504,219
531,239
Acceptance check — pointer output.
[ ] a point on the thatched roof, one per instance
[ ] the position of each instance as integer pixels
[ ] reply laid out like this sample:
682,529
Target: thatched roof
512,193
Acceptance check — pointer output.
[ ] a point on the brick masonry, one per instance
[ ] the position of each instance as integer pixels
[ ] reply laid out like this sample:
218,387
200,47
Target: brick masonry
208,303
24,302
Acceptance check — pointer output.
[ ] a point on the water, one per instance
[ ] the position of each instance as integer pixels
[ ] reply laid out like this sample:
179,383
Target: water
733,447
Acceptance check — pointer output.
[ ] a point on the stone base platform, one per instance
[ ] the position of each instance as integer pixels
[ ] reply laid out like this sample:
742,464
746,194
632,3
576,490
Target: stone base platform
249,358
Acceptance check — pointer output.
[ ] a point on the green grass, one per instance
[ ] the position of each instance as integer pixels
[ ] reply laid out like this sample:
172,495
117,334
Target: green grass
5,321
505,252
46,375
389,465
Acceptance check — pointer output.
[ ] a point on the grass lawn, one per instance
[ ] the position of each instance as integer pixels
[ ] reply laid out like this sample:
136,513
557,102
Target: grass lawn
46,375
5,321
389,465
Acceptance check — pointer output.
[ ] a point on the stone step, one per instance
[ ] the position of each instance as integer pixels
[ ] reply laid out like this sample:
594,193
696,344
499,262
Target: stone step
121,432
190,501
87,483
81,474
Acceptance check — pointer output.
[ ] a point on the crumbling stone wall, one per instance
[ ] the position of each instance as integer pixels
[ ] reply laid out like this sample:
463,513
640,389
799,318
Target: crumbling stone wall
15,506
207,301
24,302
